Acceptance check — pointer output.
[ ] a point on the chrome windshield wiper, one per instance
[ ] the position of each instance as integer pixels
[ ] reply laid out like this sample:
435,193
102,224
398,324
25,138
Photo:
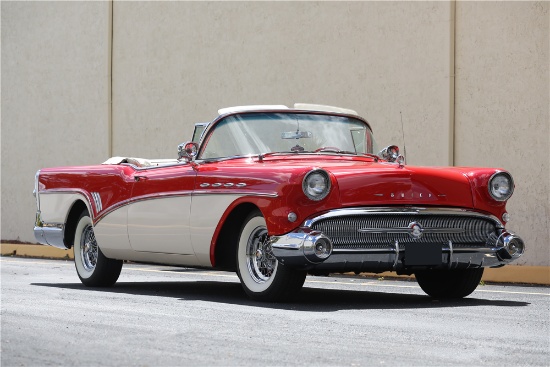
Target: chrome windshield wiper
261,156
338,151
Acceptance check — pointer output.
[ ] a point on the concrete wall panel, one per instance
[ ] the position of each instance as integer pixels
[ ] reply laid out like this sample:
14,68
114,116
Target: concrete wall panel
176,63
55,97
502,107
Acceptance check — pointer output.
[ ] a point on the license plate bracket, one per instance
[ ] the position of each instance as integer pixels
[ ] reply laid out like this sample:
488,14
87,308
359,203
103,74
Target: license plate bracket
423,254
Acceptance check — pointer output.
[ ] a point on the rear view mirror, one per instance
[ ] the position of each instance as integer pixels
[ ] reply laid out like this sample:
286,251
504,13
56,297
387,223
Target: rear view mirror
296,134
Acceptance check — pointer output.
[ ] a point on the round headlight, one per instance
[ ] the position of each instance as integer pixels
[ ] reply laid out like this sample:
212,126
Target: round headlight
316,185
501,186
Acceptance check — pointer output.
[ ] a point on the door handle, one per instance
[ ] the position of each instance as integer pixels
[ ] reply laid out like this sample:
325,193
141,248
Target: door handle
140,178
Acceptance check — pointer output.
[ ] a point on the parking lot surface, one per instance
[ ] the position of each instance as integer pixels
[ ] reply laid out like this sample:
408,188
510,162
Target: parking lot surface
160,316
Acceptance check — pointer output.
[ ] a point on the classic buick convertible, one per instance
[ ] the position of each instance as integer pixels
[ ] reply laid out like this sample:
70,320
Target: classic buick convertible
275,193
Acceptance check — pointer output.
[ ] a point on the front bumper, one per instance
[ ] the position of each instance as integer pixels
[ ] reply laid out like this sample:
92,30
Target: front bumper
310,248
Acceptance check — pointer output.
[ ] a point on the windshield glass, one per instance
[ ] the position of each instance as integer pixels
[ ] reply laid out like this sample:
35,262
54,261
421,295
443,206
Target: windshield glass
259,133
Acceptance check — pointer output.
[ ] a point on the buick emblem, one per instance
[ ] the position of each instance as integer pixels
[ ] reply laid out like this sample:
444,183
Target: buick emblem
415,230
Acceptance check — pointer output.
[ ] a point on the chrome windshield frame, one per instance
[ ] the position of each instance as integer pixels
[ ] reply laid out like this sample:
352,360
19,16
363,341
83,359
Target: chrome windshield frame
211,127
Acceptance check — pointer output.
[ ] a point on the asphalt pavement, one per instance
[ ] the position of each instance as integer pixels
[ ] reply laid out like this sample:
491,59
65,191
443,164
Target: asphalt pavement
169,316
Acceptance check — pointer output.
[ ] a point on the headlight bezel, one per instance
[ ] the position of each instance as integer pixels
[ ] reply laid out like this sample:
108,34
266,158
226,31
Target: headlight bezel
306,188
501,197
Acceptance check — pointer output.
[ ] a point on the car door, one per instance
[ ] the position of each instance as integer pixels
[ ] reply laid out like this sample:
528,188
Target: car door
159,212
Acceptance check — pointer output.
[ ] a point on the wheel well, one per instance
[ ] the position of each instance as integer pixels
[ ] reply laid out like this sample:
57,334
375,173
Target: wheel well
227,241
72,220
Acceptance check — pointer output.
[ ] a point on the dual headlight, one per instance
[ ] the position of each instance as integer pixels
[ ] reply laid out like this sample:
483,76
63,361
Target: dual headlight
501,186
316,184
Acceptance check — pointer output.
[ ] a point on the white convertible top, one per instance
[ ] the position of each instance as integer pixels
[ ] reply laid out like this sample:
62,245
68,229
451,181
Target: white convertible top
140,162
297,106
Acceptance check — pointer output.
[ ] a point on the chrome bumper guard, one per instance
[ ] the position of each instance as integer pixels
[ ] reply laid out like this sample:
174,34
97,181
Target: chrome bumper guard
50,234
311,249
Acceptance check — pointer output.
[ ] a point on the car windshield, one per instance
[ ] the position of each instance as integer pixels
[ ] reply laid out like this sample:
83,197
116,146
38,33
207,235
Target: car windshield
260,133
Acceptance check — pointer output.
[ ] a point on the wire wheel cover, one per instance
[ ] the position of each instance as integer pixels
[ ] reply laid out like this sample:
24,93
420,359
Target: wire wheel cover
88,248
260,261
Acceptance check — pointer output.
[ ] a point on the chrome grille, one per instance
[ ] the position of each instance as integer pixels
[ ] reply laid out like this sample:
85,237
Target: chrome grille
469,231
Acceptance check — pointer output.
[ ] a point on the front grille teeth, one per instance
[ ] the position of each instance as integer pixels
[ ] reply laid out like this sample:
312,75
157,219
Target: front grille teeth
380,231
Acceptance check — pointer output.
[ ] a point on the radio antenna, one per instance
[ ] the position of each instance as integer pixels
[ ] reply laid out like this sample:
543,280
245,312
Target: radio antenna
403,133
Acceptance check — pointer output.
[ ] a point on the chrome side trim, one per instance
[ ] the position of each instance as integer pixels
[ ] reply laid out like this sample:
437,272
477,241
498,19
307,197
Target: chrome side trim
139,199
182,193
235,192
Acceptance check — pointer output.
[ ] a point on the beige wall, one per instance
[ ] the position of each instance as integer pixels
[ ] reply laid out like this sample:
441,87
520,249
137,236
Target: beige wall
55,97
502,107
176,63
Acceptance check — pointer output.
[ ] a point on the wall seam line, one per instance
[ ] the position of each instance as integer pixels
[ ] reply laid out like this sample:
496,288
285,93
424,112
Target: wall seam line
111,39
452,88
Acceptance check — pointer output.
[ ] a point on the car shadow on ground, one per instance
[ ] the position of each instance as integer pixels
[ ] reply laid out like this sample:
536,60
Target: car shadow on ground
309,299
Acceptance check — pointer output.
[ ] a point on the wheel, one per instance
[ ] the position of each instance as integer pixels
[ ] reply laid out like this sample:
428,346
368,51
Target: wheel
262,276
92,267
456,283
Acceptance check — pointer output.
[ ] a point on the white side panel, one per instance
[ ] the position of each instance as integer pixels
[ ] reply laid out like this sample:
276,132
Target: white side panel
55,207
111,232
207,211
152,257
160,225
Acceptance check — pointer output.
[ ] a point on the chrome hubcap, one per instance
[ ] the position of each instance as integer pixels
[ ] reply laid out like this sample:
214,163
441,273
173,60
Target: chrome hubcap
88,248
259,256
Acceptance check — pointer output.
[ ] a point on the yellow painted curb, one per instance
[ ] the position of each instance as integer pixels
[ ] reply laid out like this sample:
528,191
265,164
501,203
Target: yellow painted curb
35,251
506,274
518,274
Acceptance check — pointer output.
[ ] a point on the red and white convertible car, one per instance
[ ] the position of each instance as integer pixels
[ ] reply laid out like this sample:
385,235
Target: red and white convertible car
274,193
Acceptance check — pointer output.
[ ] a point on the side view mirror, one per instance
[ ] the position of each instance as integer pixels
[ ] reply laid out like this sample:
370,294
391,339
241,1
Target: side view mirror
391,154
188,150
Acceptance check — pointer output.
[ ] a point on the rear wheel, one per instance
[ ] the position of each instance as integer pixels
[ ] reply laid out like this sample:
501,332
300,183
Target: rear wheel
262,276
456,283
92,267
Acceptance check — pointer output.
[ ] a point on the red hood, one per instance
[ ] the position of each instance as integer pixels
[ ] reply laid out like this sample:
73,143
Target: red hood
362,183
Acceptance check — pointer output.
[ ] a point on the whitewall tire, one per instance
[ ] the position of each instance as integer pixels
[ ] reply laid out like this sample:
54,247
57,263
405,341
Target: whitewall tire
262,277
92,267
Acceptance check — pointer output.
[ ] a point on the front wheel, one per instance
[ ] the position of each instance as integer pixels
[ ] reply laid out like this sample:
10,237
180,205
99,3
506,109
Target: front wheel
455,283
262,276
92,267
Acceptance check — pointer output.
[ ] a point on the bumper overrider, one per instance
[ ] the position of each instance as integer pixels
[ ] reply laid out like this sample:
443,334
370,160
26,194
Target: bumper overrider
398,239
